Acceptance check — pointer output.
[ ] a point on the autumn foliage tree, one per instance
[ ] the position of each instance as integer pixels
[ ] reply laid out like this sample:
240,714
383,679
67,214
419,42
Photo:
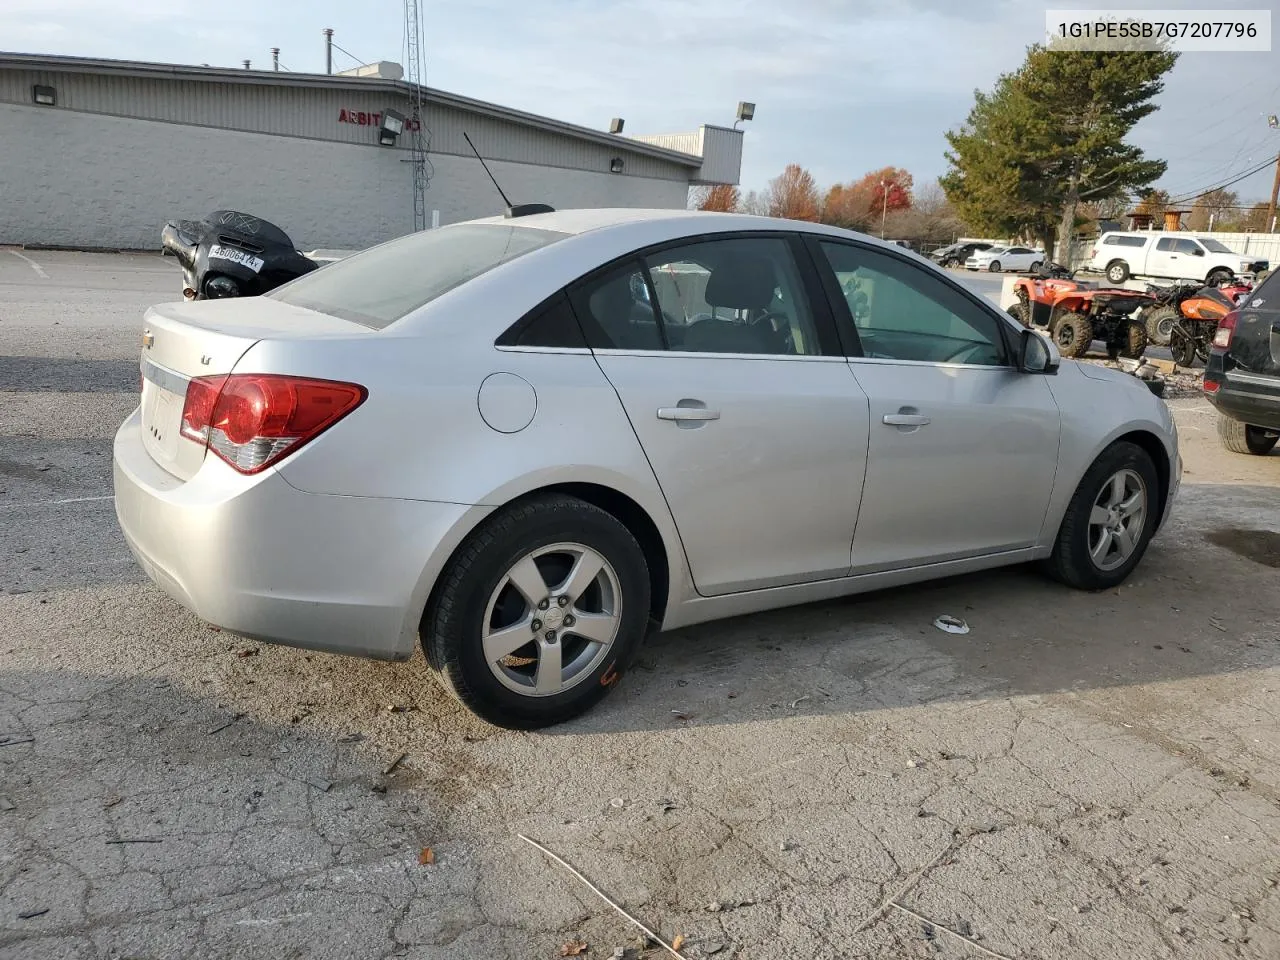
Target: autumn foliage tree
722,198
793,195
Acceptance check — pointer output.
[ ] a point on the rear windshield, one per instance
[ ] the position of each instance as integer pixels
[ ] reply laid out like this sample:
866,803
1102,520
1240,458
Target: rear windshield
379,286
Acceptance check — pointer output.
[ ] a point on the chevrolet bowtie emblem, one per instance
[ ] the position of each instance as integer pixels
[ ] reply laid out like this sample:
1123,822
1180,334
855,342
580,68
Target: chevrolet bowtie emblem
148,338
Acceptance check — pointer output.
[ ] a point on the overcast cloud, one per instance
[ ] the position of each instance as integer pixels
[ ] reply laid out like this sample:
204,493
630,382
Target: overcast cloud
842,86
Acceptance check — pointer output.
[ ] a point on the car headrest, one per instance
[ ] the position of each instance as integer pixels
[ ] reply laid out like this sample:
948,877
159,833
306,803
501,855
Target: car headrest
741,283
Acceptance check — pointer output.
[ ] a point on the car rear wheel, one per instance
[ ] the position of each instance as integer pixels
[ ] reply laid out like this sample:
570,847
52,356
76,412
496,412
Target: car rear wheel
1117,271
539,612
1159,324
1243,438
1073,333
995,266
1109,522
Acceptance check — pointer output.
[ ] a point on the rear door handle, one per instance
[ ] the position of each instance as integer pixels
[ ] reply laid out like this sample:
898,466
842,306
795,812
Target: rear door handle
905,420
687,413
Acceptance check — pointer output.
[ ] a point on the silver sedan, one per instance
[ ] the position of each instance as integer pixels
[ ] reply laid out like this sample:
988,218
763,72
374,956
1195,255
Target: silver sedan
526,442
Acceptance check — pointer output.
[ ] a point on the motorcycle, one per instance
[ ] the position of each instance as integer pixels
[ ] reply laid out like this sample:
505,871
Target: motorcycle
231,254
1186,316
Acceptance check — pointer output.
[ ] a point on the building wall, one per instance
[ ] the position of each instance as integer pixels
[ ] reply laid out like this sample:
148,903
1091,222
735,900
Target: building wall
89,180
257,105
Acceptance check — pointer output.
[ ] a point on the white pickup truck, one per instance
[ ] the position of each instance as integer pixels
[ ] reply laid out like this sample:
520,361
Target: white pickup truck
1144,253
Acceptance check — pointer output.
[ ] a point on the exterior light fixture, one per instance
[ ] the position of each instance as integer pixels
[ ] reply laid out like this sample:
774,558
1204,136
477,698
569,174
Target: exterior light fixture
45,96
746,111
615,165
392,127
615,125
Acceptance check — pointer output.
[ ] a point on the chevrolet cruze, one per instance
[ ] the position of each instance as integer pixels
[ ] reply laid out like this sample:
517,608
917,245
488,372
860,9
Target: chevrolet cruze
525,442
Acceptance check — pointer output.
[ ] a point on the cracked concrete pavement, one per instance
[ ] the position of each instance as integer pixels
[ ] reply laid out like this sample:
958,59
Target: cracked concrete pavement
1080,776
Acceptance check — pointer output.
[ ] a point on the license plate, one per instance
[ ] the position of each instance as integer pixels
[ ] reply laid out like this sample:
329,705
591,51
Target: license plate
246,260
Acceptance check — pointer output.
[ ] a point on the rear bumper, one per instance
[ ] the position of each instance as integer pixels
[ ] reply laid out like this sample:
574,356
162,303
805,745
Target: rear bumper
258,557
1248,397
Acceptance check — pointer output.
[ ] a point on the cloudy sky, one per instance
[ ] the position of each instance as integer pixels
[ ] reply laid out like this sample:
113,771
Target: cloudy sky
842,86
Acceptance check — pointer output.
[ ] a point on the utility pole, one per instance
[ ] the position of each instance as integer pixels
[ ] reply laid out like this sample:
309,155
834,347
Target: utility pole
1275,195
884,206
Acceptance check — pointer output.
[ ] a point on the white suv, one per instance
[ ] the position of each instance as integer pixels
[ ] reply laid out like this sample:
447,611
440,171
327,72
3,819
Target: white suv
1146,253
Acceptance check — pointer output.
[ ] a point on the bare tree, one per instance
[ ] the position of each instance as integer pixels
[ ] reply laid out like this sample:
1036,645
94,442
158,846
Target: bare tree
793,194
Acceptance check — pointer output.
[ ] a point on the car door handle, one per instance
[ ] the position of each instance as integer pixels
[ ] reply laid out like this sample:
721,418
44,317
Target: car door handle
905,420
687,413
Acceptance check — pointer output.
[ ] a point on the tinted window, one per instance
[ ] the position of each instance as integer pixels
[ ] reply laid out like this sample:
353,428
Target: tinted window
615,310
377,287
550,324
738,295
903,312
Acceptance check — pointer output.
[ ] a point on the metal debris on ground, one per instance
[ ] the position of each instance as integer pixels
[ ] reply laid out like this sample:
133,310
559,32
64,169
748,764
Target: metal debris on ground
390,767
950,624
603,896
222,726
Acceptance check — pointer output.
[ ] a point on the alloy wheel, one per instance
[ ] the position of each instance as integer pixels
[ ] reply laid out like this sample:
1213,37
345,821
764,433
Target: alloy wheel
551,619
1117,519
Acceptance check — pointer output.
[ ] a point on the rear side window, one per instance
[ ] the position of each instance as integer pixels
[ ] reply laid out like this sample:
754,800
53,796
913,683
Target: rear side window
1119,240
379,286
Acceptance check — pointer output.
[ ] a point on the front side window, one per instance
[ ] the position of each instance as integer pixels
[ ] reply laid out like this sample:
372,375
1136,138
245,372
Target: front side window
903,312
737,295
377,287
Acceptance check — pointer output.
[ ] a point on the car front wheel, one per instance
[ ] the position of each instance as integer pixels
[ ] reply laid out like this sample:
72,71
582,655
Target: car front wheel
1110,520
539,612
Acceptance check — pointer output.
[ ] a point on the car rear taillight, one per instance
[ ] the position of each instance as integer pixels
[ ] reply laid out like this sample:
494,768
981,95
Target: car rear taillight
1226,329
252,420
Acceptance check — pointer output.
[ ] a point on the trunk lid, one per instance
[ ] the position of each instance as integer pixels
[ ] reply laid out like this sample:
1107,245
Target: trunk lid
182,341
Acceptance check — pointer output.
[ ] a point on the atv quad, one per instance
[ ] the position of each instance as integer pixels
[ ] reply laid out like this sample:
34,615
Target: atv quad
1077,312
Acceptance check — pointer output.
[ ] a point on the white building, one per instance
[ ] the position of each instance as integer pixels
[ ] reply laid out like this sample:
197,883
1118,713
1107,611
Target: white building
100,153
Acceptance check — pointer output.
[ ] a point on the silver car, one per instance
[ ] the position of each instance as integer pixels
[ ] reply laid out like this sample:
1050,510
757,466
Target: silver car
526,442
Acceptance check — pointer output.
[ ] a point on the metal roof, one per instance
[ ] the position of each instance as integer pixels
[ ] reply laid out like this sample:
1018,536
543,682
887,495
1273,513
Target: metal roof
172,71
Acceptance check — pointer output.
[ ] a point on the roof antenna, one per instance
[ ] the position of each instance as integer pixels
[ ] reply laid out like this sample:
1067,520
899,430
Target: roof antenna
517,210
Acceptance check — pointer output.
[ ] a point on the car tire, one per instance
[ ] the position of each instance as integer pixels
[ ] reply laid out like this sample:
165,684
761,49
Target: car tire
1080,558
994,266
1073,333
1244,438
477,598
1159,323
1218,275
1117,271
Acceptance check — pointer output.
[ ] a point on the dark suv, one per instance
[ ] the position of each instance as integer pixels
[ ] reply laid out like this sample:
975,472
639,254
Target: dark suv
957,253
1242,377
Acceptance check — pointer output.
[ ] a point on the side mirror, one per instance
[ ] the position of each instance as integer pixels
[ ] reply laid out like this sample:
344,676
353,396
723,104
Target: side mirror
1037,354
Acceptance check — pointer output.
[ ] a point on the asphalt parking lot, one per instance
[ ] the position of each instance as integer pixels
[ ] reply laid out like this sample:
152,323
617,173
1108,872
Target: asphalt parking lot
1080,776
